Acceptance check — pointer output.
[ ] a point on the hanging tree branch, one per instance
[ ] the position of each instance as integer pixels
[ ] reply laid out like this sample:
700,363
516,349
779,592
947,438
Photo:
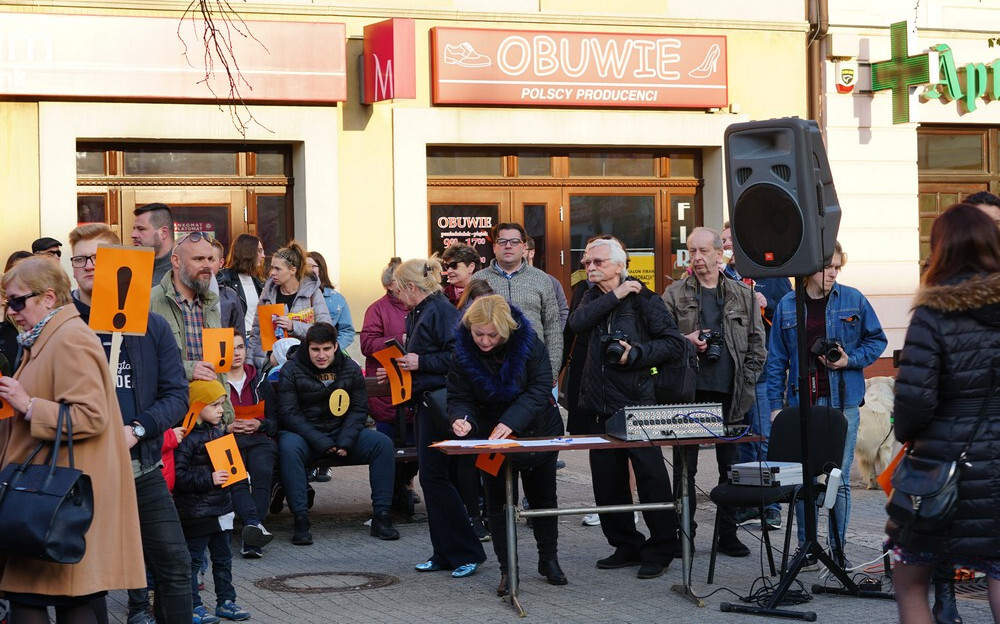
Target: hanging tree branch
216,23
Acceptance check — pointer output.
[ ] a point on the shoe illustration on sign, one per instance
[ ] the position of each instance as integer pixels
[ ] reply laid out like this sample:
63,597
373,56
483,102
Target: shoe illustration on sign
464,55
709,65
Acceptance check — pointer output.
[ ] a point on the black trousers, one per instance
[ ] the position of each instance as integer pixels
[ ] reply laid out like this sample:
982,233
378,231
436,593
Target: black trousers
451,534
540,488
260,454
165,552
610,476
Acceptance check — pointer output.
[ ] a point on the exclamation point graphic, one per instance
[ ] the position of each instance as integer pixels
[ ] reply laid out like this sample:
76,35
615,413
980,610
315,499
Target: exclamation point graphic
124,280
232,464
222,350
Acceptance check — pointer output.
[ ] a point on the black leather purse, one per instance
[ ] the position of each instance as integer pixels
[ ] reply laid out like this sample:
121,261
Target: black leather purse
925,491
45,509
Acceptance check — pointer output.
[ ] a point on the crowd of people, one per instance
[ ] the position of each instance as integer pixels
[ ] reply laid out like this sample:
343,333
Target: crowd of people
485,346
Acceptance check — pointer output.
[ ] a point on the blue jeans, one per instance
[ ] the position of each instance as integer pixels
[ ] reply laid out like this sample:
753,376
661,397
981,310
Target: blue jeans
371,448
759,419
222,565
842,508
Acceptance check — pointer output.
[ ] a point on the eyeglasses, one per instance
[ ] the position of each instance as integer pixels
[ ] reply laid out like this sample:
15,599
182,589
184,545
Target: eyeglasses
194,237
597,262
16,304
451,266
508,242
50,252
81,261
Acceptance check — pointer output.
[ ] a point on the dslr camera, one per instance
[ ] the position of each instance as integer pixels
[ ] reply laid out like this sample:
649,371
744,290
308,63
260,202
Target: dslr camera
830,349
613,350
714,340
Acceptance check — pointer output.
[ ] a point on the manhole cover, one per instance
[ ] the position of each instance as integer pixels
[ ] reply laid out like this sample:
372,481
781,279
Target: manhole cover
971,590
326,582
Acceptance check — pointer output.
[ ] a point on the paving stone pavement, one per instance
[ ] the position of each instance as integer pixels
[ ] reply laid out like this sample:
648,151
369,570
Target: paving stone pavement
328,593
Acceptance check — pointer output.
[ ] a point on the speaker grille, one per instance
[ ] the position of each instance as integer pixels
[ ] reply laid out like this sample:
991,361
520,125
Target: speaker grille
743,174
767,226
782,171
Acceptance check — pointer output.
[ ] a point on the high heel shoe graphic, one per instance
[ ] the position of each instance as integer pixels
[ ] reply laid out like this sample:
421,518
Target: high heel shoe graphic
709,65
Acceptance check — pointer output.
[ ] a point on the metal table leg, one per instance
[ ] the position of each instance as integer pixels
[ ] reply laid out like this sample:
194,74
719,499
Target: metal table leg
686,542
511,513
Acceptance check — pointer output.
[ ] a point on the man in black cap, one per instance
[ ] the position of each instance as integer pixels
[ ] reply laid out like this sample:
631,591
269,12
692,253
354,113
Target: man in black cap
46,246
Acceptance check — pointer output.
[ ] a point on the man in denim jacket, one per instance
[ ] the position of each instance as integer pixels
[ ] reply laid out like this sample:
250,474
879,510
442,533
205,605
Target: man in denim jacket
839,313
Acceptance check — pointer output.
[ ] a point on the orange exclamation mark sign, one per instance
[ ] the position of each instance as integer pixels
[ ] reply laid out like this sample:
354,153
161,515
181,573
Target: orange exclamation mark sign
226,456
124,281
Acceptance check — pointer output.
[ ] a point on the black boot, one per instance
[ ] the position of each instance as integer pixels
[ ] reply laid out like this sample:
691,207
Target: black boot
382,527
300,534
504,587
548,566
945,609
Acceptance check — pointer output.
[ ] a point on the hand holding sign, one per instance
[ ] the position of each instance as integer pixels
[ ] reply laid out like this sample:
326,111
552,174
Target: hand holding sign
218,347
191,418
121,289
268,331
400,381
225,456
6,409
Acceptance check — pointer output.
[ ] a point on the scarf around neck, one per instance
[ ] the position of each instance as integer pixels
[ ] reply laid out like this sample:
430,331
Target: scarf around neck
27,338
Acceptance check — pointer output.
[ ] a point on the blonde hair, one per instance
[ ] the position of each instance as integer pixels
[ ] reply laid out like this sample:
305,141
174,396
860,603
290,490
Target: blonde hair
424,274
93,231
491,309
389,272
295,256
40,274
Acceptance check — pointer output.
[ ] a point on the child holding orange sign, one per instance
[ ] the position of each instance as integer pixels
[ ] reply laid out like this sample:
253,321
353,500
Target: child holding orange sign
205,505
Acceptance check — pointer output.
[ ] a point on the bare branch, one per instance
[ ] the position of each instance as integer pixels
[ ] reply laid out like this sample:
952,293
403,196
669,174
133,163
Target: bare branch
217,24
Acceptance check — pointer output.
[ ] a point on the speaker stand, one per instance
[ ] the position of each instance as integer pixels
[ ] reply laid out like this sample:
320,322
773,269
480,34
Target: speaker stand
811,545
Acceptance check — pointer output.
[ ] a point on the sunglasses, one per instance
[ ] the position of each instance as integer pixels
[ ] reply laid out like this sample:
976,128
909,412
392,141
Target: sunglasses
49,252
597,262
194,237
16,304
451,266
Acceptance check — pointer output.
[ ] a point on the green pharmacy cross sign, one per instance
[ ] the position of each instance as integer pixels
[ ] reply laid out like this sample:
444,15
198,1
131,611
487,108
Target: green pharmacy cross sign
900,73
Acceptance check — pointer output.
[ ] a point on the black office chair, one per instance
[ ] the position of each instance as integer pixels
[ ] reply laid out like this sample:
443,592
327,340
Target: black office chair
828,435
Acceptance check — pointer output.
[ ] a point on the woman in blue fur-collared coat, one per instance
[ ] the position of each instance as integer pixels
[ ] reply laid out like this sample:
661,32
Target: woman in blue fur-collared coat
500,385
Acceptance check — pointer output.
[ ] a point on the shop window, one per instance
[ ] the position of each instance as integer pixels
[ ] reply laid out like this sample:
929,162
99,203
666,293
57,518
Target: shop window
595,164
534,225
89,163
91,208
193,163
951,152
270,164
628,217
449,162
534,164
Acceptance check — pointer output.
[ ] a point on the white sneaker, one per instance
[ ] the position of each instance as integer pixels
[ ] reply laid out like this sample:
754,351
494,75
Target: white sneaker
637,516
592,520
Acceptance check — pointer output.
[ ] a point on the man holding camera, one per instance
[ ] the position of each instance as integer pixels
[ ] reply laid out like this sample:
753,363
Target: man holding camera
844,336
721,318
626,332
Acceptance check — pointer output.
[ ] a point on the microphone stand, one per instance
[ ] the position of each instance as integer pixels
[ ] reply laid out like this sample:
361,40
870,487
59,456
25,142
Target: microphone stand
811,545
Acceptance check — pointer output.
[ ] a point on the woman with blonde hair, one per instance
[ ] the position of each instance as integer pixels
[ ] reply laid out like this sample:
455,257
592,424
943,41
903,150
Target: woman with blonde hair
64,364
291,284
430,327
500,384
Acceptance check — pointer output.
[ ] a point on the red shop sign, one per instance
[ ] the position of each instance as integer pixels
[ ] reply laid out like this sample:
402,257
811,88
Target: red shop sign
547,68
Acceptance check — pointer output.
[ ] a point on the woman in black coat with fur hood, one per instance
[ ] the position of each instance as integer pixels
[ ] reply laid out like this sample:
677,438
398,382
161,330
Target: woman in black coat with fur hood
499,386
950,366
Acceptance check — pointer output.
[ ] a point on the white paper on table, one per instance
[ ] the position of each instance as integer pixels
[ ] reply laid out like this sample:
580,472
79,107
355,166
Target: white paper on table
477,443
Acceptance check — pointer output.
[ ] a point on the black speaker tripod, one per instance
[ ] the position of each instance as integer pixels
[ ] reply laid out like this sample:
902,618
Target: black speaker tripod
811,545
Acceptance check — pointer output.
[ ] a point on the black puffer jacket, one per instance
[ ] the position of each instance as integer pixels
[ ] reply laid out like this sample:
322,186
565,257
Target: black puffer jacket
430,333
195,495
643,317
304,401
512,384
949,366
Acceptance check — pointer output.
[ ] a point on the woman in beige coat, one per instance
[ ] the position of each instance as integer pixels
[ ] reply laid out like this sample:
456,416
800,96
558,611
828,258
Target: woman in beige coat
64,362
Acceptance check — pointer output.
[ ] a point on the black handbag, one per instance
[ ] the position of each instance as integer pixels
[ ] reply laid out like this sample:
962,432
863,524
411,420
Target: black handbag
925,491
436,402
45,509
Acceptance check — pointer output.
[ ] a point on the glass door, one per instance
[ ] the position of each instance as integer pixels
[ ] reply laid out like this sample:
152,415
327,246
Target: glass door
540,211
630,218
219,212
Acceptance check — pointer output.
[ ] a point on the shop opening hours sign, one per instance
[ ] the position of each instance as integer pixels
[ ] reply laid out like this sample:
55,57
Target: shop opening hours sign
546,68
468,224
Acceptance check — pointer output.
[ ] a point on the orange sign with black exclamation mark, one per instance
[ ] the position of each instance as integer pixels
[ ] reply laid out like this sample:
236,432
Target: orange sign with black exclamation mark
122,280
400,381
225,455
218,348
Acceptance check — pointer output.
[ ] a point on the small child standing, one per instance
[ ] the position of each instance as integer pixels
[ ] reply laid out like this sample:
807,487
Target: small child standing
206,508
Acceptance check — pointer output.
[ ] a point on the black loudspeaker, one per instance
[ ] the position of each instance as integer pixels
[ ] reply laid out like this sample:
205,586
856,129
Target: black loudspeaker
783,208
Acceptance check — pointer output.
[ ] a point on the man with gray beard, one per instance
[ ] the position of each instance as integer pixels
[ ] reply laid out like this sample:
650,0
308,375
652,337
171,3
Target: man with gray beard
184,298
